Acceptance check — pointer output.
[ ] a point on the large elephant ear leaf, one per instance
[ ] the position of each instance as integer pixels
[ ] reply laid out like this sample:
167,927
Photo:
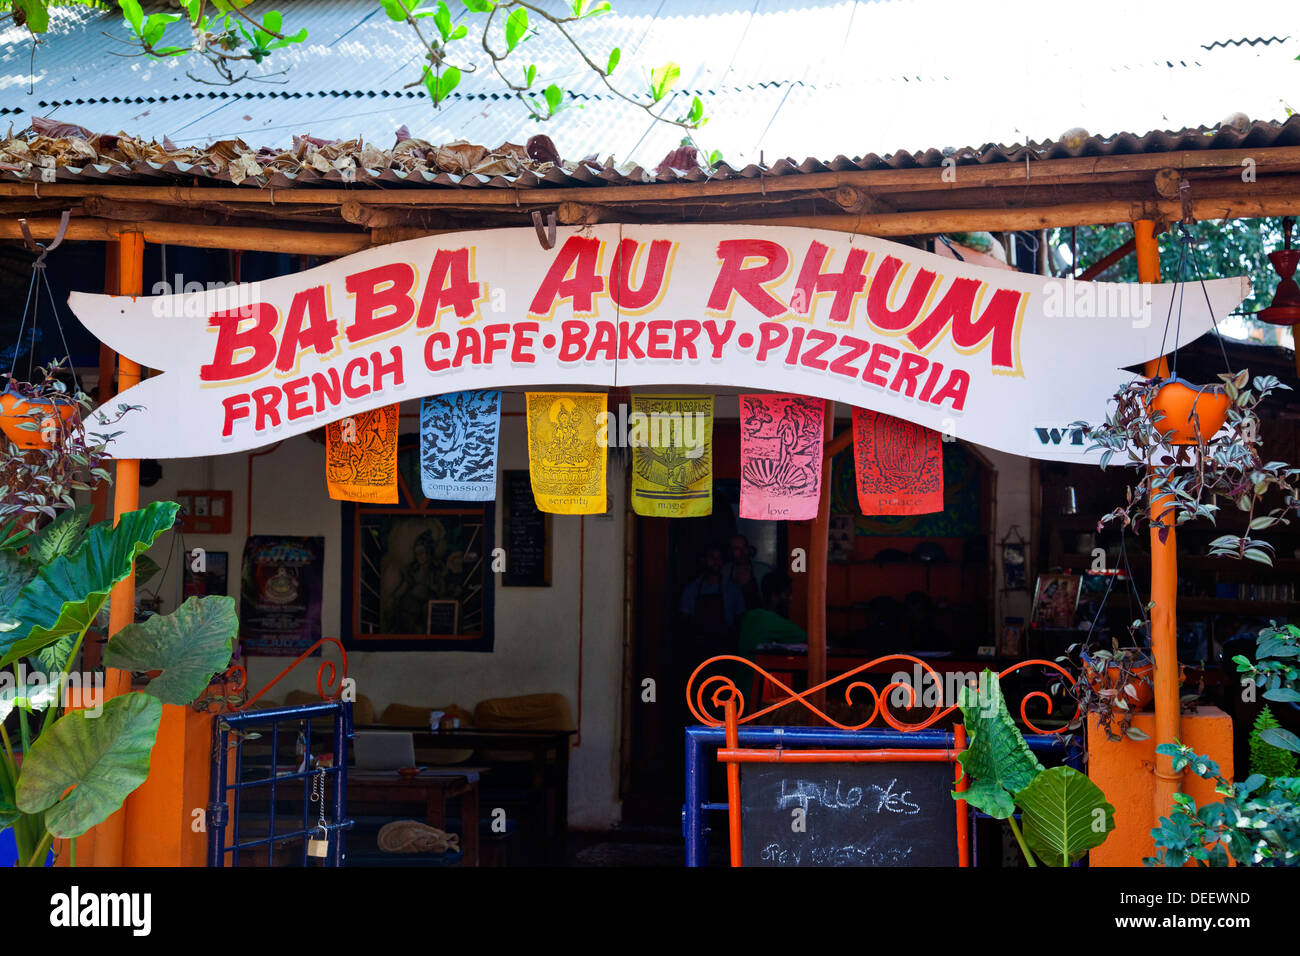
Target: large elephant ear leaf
103,759
60,536
9,814
997,761
1064,815
15,574
189,645
67,593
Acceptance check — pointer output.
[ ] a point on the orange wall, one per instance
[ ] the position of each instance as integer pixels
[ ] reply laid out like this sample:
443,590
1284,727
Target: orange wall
160,817
1123,770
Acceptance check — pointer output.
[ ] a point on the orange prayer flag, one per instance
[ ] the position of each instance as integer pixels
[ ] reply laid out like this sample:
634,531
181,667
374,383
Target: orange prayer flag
361,456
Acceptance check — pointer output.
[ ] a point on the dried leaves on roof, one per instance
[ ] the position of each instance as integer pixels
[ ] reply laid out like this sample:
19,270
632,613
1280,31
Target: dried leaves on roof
51,144
51,150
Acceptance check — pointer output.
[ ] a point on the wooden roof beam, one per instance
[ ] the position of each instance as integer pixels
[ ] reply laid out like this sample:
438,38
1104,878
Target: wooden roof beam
1142,166
337,243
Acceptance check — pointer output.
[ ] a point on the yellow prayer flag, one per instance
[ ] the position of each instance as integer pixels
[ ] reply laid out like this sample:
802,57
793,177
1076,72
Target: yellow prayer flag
361,456
566,462
671,437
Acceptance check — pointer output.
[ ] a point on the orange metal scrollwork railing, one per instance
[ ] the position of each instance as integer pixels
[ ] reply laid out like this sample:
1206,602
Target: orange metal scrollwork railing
234,683
707,696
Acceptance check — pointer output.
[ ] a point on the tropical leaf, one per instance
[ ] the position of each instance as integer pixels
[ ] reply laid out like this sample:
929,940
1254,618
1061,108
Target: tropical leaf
997,762
188,646
52,659
65,595
9,814
1281,738
145,569
29,697
60,536
1064,815
15,573
103,759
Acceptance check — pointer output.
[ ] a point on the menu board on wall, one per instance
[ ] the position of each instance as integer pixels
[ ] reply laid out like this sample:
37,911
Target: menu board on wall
526,535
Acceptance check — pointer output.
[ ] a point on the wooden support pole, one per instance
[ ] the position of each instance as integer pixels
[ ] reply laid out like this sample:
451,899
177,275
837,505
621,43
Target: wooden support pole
818,552
1164,582
1106,261
126,497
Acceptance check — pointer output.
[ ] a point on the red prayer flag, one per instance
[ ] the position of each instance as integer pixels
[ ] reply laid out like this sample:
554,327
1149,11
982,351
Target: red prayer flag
899,465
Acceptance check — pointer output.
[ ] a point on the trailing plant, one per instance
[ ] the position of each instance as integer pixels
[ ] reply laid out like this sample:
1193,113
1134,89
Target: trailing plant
1275,673
70,769
1063,813
37,483
1194,480
1266,759
1256,824
1114,683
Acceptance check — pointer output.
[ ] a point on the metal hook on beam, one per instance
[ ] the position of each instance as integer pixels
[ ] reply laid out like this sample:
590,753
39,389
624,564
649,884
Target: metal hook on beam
545,233
36,247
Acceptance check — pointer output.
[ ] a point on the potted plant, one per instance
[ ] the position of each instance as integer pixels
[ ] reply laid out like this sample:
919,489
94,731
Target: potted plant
40,414
1062,813
1196,463
67,769
1114,683
1186,414
38,480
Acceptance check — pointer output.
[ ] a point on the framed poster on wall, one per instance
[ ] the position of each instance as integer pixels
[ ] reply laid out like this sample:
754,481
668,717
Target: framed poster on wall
281,591
417,574
1055,598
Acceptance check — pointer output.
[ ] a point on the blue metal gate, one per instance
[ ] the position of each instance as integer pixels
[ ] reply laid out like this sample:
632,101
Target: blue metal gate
278,795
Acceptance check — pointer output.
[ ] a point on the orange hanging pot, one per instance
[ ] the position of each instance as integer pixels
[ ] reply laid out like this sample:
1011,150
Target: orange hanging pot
1182,408
1138,689
17,409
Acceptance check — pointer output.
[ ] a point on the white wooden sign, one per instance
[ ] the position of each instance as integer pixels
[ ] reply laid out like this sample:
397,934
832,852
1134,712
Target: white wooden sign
999,358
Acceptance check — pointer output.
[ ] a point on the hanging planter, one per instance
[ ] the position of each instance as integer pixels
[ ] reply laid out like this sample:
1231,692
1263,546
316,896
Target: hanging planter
32,421
1199,451
1186,414
1121,674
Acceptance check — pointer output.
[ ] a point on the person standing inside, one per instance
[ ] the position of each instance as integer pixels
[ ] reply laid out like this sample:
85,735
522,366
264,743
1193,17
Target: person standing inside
743,571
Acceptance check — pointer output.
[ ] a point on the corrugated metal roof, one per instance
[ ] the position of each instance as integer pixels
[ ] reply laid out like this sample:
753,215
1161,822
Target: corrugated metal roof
822,79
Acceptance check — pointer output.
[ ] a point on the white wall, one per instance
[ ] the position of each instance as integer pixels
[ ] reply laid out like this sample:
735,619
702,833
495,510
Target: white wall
536,633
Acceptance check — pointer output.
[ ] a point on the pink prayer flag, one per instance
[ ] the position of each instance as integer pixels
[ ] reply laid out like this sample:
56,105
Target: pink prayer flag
780,456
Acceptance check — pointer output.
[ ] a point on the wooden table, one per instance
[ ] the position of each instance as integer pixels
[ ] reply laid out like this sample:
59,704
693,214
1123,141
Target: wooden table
544,746
434,787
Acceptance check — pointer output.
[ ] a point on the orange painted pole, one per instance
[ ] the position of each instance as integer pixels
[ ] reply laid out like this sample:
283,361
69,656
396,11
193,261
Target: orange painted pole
733,782
960,784
109,835
1164,581
818,551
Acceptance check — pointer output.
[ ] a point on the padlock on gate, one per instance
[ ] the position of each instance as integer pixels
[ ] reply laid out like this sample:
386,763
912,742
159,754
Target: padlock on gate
319,846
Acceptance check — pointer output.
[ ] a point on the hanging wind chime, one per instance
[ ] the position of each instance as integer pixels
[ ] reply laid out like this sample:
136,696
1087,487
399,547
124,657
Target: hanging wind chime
1285,308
